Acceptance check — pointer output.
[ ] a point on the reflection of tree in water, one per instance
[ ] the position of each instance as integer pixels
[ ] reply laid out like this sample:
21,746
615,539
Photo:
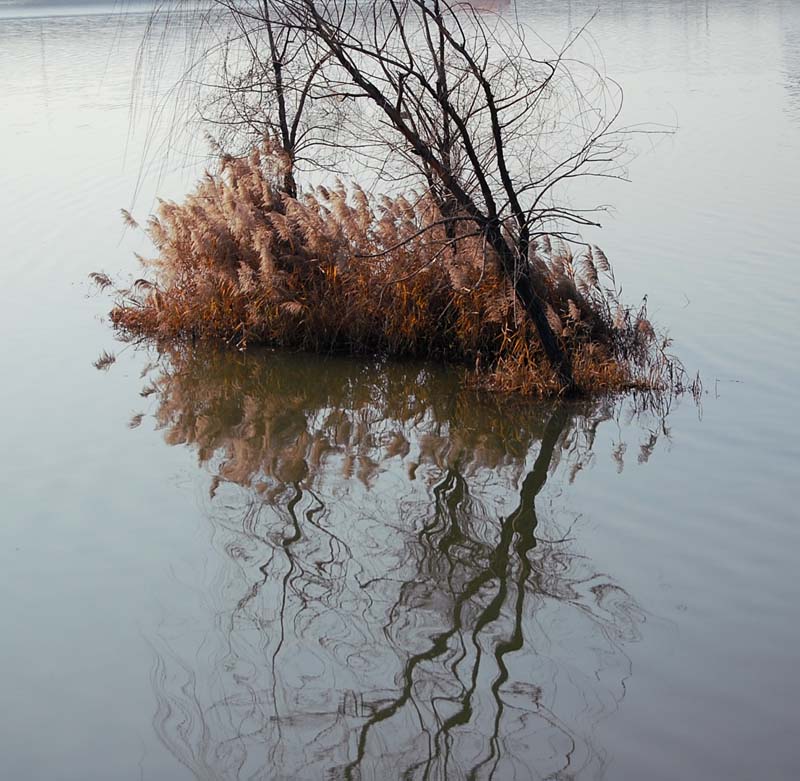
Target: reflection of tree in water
392,604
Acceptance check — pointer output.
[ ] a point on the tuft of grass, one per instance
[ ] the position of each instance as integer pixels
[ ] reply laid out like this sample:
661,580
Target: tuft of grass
336,270
104,361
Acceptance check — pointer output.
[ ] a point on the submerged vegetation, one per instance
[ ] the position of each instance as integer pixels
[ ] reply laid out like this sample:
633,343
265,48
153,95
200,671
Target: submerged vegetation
469,258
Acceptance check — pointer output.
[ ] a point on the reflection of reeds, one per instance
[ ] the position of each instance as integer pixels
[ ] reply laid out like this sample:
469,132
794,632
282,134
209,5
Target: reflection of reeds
393,604
268,421
339,271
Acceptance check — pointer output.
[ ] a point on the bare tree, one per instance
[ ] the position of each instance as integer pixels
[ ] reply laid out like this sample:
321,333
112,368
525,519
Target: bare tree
443,100
492,130
249,75
269,86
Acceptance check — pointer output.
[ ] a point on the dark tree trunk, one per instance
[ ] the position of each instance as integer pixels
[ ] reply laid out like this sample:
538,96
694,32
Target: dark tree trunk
520,276
289,184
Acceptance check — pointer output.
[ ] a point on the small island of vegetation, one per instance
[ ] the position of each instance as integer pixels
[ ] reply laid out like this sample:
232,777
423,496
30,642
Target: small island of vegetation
471,256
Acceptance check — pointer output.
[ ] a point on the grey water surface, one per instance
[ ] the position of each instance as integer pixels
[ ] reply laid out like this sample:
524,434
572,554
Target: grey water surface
287,567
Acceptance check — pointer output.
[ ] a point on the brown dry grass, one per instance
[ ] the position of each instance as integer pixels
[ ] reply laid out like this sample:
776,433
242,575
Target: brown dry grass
341,271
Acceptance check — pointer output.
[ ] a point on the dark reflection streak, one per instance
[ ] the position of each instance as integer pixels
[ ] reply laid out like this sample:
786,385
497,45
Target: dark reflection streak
322,565
286,544
455,499
449,494
255,589
436,649
521,522
426,763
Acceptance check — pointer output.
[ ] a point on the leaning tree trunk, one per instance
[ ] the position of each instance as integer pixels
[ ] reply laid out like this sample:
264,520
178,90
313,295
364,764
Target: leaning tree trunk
289,185
520,277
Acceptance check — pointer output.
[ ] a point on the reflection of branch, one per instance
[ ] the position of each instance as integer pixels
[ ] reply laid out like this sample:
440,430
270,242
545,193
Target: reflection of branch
332,587
522,522
286,544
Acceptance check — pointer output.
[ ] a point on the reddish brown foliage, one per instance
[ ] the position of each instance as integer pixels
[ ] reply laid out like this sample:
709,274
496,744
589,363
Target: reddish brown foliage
340,271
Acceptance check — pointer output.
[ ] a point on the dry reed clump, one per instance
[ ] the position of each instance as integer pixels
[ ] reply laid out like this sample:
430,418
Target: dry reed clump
337,270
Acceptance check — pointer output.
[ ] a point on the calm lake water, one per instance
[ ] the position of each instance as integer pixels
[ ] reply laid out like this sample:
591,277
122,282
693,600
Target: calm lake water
285,567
